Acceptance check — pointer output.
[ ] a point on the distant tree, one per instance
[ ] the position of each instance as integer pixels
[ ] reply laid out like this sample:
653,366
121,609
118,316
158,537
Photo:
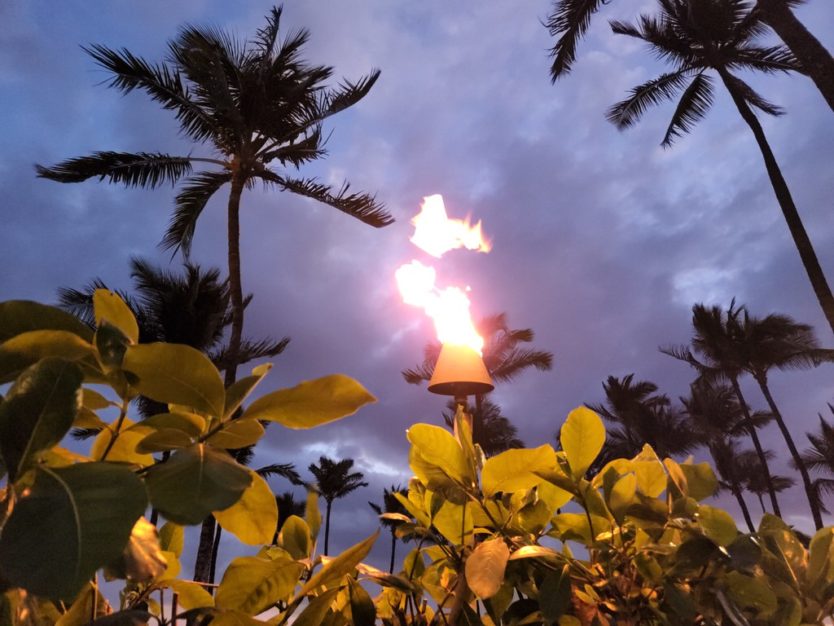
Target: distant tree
753,478
334,480
727,458
700,38
287,506
505,358
390,504
569,20
639,415
820,458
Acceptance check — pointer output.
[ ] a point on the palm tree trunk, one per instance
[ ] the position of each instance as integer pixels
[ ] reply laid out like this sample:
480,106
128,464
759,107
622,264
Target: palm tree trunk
761,503
813,56
214,548
202,564
744,510
327,527
797,459
393,552
235,286
789,210
751,429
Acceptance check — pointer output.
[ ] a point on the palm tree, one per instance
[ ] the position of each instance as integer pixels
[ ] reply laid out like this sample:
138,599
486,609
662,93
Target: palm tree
699,37
569,20
505,359
390,504
335,480
639,415
251,105
820,457
779,342
750,473
287,506
718,359
493,432
726,456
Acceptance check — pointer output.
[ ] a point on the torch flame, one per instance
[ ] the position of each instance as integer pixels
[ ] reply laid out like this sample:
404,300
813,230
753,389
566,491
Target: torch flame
436,234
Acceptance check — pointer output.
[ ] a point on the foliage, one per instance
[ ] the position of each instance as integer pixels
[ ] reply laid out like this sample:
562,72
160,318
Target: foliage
67,516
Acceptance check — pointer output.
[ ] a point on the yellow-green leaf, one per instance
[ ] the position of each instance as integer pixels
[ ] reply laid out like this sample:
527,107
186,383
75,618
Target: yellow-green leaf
295,537
108,306
124,448
454,521
20,316
312,514
750,592
240,390
171,538
582,437
513,470
164,439
622,495
176,374
717,524
651,477
251,584
437,447
485,567
312,403
189,423
254,517
237,434
190,595
21,351
339,566
700,480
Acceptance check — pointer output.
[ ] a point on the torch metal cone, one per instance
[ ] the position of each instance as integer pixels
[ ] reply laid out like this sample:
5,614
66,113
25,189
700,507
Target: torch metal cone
460,371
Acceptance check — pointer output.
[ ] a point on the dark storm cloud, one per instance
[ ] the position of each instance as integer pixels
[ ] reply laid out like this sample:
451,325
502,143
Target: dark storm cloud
603,240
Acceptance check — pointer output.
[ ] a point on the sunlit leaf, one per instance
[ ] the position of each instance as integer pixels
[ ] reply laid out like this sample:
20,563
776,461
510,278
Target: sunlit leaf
141,560
251,584
716,524
254,517
485,567
237,433
582,437
20,316
437,447
513,470
240,389
26,349
340,566
190,595
109,307
295,537
123,449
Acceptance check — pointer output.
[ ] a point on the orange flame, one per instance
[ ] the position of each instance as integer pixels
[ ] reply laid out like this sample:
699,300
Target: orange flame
436,234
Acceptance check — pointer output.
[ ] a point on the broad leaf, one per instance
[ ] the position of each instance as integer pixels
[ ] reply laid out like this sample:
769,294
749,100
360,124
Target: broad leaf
437,447
254,517
237,434
163,440
700,480
312,513
21,351
189,423
38,411
295,537
582,437
20,316
252,584
124,449
171,538
718,525
176,374
109,307
75,519
554,594
485,567
512,470
190,595
362,609
340,566
195,481
317,609
312,403
240,390
141,560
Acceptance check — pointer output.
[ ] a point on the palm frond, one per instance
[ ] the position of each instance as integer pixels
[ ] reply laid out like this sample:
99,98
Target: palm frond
362,206
284,470
626,113
692,107
568,20
141,169
160,83
296,153
419,374
266,37
188,207
751,97
765,59
519,359
249,351
344,96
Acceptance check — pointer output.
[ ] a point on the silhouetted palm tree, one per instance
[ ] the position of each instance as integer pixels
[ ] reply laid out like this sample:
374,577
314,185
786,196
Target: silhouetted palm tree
334,480
390,504
753,479
569,20
287,506
505,359
639,415
719,358
820,458
698,37
251,105
726,456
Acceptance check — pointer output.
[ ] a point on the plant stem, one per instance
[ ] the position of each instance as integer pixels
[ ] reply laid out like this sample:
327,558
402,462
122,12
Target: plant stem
119,422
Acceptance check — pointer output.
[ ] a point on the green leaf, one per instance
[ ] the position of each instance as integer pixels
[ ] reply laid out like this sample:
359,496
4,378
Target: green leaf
251,584
295,537
238,391
700,480
312,403
439,449
554,594
20,316
651,477
163,440
176,374
189,423
21,351
317,609
195,481
622,495
485,567
750,593
312,514
171,538
75,519
513,470
821,558
237,434
339,566
582,437
190,595
109,307
254,517
141,560
362,609
38,411
716,524
453,521
112,344
124,449
93,400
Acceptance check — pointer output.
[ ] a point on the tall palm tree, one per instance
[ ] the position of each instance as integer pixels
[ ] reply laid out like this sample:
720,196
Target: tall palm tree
505,358
287,506
639,415
726,456
750,473
699,37
779,342
820,457
334,480
250,105
491,430
569,20
718,358
390,504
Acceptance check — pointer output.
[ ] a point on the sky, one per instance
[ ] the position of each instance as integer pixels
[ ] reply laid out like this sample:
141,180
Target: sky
602,240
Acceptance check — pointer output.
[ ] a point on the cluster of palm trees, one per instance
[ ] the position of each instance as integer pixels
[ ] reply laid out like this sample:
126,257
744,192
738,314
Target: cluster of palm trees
726,346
